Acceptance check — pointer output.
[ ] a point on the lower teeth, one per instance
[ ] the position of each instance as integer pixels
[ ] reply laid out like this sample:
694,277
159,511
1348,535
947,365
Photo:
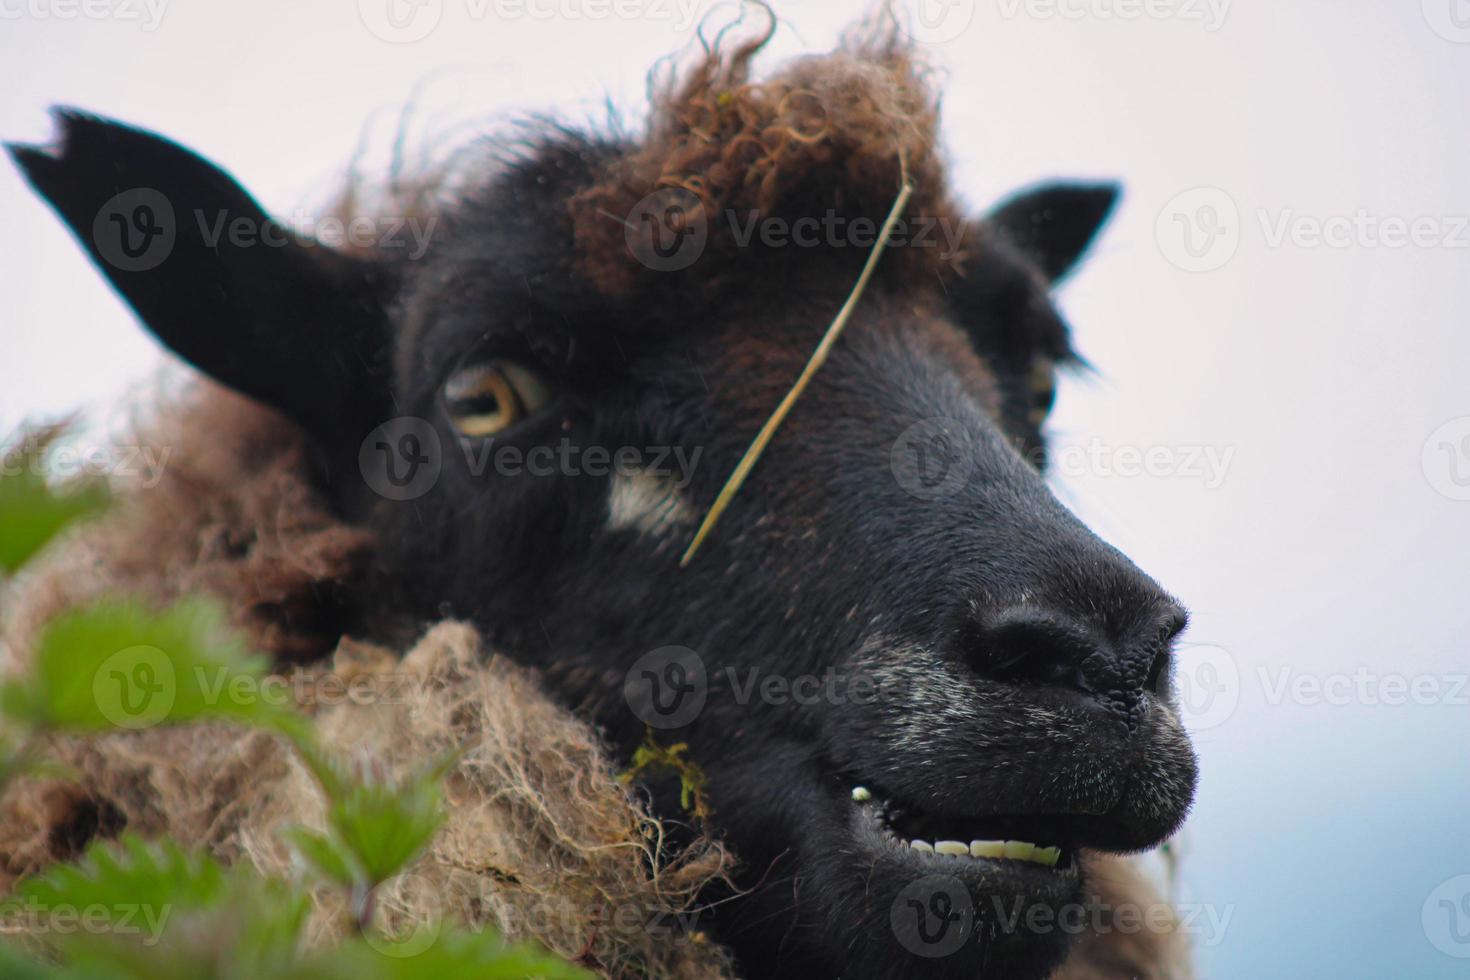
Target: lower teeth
1005,850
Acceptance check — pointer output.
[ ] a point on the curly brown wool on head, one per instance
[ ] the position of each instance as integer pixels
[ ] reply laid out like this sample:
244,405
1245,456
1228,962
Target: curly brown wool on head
826,135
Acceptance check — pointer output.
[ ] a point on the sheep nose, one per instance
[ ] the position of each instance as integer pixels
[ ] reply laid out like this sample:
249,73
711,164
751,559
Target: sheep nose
1037,646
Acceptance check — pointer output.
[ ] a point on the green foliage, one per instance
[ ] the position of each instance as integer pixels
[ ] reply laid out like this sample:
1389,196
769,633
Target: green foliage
326,856
132,910
133,871
377,828
651,757
118,664
31,513
136,910
156,912
15,965
454,956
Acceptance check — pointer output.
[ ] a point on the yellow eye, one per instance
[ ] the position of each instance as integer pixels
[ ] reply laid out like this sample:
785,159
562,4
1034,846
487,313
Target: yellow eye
488,398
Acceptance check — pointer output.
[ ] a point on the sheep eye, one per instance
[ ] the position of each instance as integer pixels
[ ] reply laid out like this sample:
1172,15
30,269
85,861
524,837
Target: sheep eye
1043,387
488,398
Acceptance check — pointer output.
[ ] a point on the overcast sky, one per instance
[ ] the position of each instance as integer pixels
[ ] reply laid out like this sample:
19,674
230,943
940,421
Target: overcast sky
1279,430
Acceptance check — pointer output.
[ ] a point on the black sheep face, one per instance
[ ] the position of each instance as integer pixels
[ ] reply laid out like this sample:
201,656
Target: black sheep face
919,688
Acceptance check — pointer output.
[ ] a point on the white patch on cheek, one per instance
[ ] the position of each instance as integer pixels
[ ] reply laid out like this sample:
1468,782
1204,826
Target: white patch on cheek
647,503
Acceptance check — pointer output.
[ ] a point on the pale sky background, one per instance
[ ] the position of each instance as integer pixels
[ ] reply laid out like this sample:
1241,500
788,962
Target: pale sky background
1324,556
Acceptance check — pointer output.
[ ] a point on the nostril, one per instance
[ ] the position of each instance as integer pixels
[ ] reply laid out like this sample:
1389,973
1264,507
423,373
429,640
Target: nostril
1158,671
1174,623
1029,646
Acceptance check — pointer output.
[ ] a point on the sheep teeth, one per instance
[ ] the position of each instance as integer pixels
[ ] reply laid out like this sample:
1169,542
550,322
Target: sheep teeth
1019,850
987,848
994,850
1003,850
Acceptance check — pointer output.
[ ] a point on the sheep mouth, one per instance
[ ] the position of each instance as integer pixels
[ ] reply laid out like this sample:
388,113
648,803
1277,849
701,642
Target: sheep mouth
1024,845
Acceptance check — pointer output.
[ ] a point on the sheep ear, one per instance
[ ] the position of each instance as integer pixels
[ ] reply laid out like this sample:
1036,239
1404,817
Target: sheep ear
276,317
1053,224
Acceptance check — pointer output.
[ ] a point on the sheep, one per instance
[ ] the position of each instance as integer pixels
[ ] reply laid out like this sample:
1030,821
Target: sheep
925,702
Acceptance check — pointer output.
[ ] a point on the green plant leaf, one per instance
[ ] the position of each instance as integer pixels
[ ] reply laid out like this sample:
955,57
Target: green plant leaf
119,664
15,965
128,871
454,955
385,826
156,912
325,856
32,513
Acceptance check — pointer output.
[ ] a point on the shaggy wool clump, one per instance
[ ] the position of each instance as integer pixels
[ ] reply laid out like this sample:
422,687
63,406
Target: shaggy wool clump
829,137
540,841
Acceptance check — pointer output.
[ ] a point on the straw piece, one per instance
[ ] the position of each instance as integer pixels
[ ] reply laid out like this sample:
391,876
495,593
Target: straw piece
818,358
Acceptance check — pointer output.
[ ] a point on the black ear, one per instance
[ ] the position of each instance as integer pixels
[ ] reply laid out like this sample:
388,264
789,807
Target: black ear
1053,224
277,317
